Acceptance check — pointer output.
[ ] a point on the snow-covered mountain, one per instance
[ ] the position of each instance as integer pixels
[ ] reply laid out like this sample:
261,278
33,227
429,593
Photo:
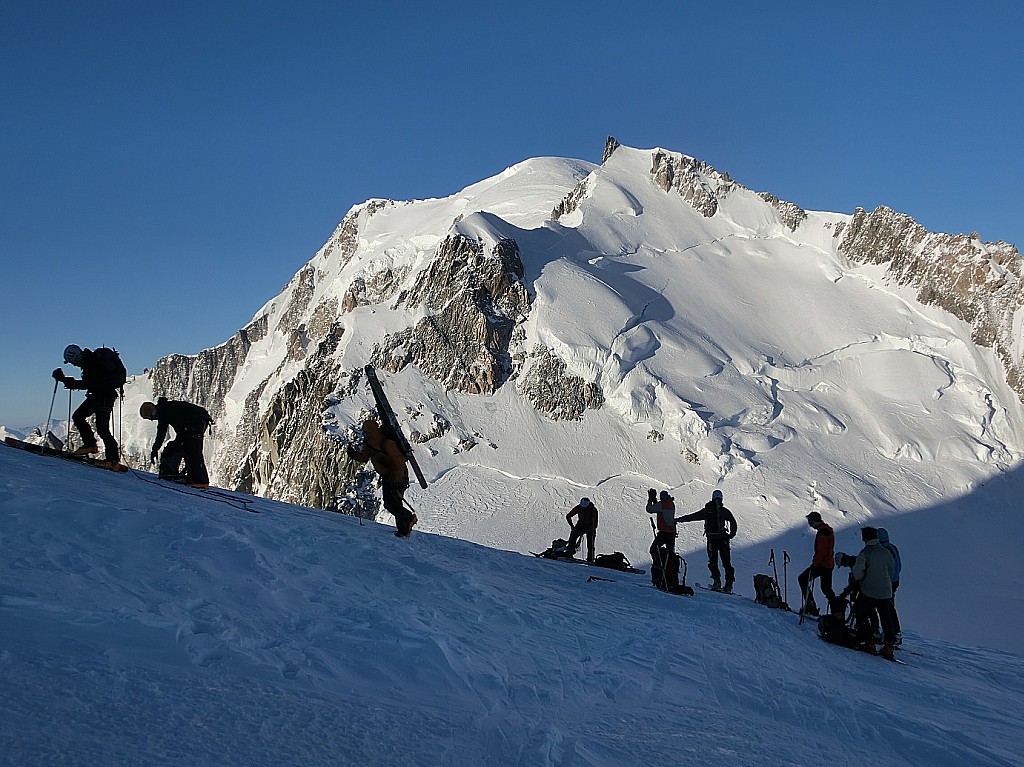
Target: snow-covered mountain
567,329
144,624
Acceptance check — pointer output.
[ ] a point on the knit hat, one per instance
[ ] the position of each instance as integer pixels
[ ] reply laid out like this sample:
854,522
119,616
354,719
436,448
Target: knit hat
665,496
868,534
814,516
716,496
584,502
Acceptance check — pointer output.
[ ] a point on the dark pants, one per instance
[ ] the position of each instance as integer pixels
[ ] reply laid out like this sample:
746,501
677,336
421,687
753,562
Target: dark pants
578,532
869,611
393,496
895,615
664,540
187,448
720,547
101,407
824,577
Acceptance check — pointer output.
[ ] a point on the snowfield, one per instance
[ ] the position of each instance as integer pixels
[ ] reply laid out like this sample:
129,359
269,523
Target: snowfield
146,624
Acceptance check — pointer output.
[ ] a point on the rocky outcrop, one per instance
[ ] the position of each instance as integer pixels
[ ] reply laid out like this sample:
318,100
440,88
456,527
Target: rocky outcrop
374,285
292,457
560,396
610,145
474,301
571,201
791,215
695,181
345,241
980,283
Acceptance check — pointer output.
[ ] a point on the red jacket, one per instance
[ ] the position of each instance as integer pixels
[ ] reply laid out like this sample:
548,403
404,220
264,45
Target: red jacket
824,547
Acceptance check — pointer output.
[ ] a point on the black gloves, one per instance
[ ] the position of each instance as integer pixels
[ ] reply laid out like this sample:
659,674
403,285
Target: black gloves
58,374
652,495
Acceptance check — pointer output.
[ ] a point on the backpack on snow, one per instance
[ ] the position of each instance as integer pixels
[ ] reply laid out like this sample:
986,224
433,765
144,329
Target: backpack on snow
665,575
110,370
766,592
833,629
559,548
616,561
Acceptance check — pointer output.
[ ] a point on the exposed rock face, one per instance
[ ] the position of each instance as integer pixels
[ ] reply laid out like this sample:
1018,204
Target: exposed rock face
293,458
205,378
791,215
610,145
695,181
345,240
473,302
570,202
980,283
562,397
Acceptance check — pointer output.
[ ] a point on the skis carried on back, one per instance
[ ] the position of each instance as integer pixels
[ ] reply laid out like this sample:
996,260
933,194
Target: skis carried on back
88,460
387,413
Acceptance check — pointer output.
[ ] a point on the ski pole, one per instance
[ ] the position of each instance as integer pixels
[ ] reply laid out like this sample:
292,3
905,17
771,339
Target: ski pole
785,572
775,569
46,436
67,434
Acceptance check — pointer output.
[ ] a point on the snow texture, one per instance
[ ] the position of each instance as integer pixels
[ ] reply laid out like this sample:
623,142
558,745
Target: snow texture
144,624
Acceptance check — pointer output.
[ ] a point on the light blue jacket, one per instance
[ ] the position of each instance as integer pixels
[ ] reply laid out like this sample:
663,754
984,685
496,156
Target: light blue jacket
883,538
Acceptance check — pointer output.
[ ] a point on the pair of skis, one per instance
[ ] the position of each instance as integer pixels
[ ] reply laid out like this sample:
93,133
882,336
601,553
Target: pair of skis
387,413
88,460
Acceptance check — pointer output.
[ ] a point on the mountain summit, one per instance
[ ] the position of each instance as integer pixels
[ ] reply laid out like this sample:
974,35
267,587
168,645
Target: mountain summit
566,329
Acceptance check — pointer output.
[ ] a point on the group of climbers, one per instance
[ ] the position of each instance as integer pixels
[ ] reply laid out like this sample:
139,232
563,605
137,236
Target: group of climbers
103,376
874,577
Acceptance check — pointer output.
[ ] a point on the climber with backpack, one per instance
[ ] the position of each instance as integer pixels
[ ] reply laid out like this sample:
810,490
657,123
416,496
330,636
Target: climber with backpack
719,528
586,525
190,423
665,563
664,546
103,376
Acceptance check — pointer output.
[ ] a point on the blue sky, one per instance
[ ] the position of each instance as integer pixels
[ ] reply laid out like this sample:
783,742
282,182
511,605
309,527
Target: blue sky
167,167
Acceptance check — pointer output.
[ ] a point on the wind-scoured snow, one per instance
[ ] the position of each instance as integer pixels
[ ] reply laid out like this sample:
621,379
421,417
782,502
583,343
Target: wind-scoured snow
143,623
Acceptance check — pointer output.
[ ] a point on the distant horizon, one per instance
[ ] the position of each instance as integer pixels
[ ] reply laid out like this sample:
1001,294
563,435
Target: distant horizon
170,168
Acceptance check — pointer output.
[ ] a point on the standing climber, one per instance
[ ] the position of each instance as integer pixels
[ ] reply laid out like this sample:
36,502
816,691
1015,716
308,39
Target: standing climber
719,528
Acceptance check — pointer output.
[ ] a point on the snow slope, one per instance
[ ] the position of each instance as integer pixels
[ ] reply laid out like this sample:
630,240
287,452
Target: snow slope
146,624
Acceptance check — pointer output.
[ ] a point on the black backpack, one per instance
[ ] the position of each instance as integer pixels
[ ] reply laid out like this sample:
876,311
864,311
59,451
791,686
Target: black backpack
616,561
766,592
833,629
110,371
665,574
